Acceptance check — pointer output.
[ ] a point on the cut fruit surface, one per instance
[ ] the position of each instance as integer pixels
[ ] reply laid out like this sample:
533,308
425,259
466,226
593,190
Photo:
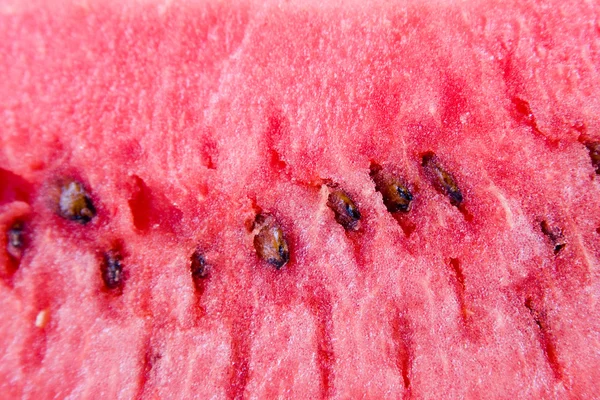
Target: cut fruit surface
299,199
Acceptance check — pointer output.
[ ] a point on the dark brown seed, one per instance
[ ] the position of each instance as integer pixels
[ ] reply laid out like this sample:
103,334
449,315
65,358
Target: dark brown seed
75,204
594,149
15,240
269,242
112,269
442,180
198,265
555,235
396,195
345,210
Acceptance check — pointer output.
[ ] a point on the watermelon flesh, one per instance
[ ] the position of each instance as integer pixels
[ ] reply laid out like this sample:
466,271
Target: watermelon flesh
184,121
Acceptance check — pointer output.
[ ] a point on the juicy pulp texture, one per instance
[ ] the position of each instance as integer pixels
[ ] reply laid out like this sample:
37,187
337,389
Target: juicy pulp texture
184,121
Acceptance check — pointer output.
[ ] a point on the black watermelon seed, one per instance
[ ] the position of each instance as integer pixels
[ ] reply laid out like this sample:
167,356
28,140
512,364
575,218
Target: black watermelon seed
15,242
594,149
75,203
270,243
555,235
396,195
442,180
112,269
345,210
198,265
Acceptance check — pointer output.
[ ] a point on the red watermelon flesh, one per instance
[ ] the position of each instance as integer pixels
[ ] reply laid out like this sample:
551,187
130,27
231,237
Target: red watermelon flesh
184,121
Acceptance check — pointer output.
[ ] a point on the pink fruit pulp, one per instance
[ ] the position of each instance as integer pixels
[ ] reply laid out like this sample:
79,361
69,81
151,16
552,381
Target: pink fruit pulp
183,120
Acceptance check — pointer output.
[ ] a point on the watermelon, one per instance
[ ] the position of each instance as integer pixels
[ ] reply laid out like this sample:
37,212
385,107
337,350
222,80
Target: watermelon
288,199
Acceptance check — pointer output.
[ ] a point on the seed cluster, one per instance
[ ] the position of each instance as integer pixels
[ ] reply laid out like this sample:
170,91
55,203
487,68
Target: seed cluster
270,243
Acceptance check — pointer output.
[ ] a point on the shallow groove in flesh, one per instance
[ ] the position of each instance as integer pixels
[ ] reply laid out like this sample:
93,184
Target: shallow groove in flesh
525,114
459,287
402,341
34,352
276,127
240,358
545,338
148,363
321,307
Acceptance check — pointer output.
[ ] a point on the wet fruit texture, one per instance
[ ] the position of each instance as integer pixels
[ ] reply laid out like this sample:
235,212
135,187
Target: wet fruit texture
140,140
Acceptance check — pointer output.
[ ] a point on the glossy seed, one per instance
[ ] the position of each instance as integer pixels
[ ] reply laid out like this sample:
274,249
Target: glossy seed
15,240
555,235
75,203
396,195
112,269
345,210
198,265
270,243
594,149
442,180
